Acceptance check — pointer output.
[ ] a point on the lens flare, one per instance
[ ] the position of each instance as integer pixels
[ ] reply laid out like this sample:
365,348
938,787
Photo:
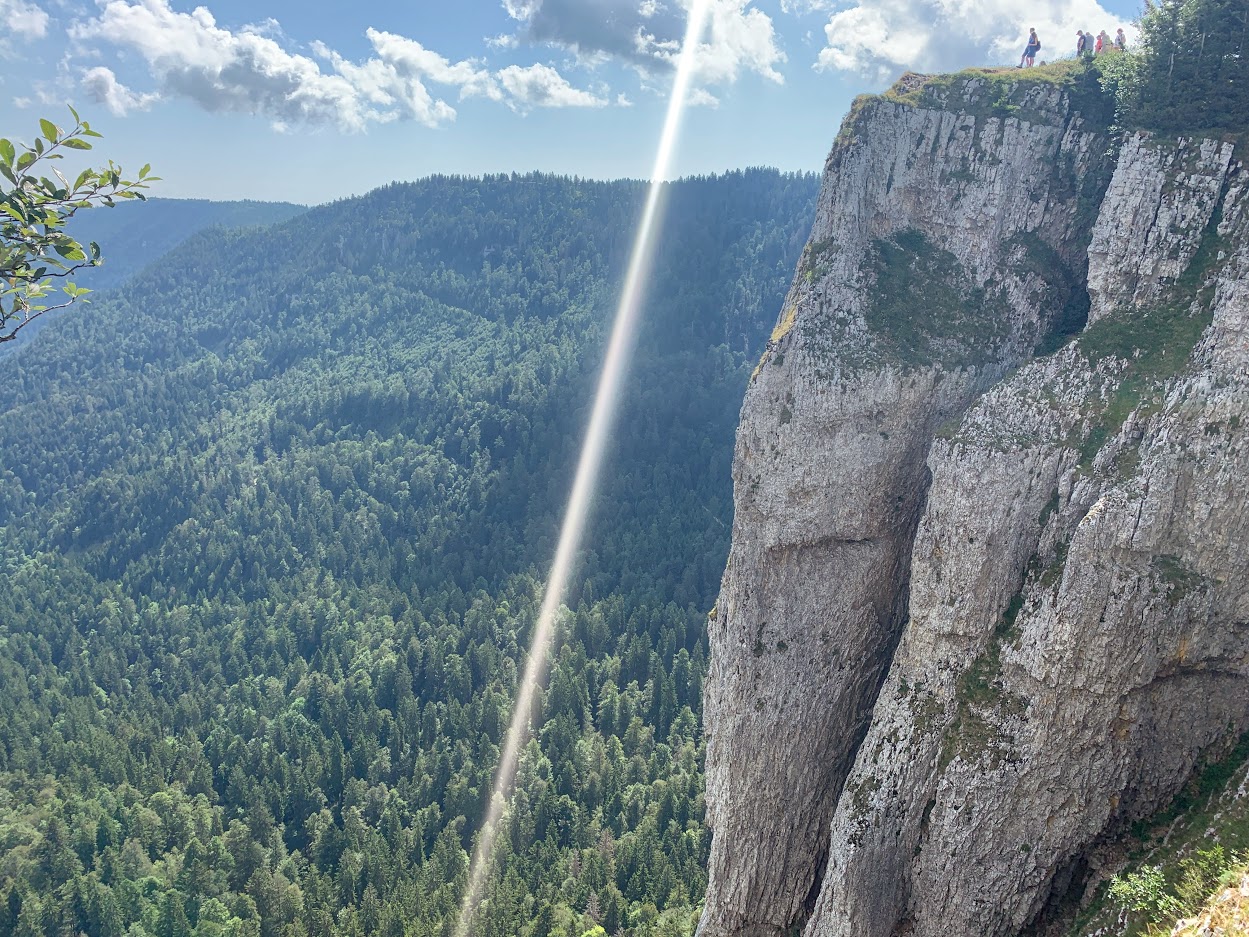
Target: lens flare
605,401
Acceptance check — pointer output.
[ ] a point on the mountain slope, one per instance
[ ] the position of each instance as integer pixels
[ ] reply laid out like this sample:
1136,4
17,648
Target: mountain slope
133,235
273,574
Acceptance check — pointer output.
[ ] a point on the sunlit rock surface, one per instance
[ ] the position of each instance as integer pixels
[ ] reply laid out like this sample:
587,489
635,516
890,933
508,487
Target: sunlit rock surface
1037,542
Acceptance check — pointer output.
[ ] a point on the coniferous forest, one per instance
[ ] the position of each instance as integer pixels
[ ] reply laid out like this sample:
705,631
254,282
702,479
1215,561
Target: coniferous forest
274,518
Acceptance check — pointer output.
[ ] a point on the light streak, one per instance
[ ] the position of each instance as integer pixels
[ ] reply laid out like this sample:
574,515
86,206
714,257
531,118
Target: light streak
605,400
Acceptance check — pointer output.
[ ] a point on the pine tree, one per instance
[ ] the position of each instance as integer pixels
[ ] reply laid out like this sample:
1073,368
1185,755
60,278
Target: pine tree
1194,73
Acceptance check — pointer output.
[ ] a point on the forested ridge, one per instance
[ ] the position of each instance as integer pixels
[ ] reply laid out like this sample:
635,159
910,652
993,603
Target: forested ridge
139,233
275,517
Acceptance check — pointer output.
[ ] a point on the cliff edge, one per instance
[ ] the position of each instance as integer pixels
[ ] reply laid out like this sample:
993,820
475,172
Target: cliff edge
986,602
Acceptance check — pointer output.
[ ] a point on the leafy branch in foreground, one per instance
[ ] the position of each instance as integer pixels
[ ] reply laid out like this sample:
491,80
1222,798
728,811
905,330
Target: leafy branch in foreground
35,250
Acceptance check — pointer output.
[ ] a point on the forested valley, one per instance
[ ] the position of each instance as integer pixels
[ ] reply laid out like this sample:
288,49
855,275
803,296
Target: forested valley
274,518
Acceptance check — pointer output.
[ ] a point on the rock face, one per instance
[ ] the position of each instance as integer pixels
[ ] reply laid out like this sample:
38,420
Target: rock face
988,593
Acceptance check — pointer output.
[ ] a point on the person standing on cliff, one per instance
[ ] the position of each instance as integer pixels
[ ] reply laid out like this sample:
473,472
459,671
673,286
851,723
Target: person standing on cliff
1121,41
1082,43
1030,51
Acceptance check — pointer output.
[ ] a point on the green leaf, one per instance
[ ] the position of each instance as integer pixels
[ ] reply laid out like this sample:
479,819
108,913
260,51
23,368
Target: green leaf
24,161
75,144
70,251
147,167
7,153
50,130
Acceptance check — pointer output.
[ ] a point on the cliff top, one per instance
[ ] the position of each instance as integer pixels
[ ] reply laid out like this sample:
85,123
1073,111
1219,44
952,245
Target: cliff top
1044,94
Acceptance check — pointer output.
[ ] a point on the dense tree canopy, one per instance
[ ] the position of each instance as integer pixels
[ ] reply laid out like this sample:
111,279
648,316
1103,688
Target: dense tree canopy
272,556
1191,71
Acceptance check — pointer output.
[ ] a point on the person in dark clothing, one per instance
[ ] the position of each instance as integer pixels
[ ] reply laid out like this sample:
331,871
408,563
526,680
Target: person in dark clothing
1030,50
1082,42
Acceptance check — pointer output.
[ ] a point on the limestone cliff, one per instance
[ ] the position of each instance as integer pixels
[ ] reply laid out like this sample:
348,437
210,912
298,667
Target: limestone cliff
987,596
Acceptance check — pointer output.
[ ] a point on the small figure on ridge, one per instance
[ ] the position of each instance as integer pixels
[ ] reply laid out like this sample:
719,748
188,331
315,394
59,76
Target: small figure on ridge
1030,51
1082,43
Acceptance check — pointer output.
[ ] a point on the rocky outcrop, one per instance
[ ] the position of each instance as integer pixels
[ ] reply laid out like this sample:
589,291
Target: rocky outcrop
1160,203
963,223
987,599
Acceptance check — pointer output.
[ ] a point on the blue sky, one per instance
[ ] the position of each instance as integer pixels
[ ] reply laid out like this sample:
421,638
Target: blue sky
310,101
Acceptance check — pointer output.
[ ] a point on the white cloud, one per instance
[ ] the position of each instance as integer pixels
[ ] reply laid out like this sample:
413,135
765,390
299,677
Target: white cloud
412,59
250,71
23,18
647,34
741,38
882,38
104,88
701,97
801,7
542,86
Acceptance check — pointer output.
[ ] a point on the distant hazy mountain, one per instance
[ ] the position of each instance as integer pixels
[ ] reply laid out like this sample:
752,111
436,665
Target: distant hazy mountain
134,234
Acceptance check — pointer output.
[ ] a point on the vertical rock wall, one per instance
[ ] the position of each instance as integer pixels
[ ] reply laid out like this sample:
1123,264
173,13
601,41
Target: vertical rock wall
988,596
972,226
1078,632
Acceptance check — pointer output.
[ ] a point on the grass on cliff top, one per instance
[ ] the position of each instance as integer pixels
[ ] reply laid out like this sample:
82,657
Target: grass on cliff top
1003,92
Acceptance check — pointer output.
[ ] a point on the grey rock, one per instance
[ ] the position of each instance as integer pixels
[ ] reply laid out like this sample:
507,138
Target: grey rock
830,472
982,610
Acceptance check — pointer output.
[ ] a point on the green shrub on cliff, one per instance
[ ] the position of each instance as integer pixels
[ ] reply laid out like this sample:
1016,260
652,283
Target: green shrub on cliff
1190,73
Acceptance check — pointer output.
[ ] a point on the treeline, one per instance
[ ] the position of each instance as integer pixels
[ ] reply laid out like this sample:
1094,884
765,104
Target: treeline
275,519
1190,73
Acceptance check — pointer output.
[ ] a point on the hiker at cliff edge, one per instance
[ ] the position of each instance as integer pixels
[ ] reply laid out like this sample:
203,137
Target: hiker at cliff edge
1030,50
1082,43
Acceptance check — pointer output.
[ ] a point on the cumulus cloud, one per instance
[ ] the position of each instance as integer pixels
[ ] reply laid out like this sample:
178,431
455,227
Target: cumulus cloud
882,38
647,34
543,86
251,71
104,88
411,59
248,71
23,18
